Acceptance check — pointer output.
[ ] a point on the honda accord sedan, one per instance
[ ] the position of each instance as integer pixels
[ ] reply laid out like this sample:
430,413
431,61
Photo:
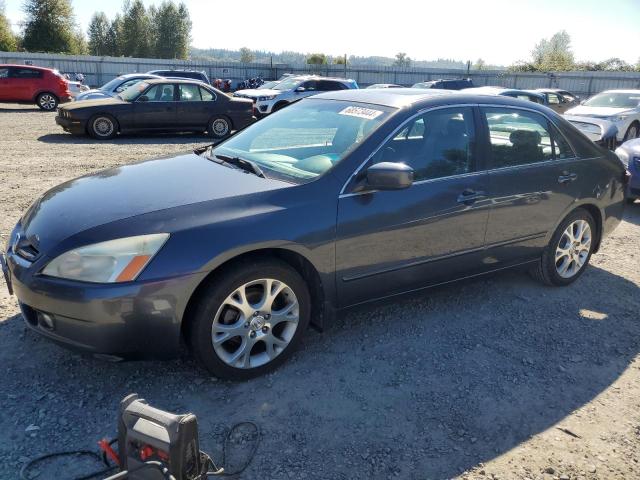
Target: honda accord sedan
158,105
337,200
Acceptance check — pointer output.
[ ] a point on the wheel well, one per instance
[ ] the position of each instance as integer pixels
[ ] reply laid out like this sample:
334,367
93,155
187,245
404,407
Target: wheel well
293,259
597,217
280,104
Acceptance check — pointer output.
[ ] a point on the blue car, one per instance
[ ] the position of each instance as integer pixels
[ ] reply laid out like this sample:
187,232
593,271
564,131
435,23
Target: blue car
115,86
629,153
343,198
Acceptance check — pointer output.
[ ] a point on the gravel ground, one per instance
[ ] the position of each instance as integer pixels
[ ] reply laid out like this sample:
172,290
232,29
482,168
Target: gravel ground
493,378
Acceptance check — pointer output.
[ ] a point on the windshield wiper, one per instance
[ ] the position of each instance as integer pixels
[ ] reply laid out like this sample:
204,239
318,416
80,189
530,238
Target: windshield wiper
242,163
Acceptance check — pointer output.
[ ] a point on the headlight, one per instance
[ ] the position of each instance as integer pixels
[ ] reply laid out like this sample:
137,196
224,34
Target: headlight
266,97
623,156
118,260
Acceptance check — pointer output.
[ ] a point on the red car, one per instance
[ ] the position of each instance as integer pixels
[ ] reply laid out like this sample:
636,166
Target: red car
27,84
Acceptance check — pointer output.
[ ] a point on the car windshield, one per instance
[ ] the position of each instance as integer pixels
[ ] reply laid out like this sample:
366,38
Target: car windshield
268,85
133,92
306,139
615,100
111,85
422,85
288,84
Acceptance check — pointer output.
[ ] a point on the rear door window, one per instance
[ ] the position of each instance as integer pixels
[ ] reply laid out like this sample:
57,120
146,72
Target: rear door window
189,93
518,137
206,95
26,73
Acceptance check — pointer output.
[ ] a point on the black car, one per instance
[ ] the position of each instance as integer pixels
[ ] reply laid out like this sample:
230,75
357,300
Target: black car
192,74
448,84
158,105
339,199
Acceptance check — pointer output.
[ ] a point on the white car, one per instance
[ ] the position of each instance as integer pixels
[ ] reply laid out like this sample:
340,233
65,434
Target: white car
621,107
292,89
76,88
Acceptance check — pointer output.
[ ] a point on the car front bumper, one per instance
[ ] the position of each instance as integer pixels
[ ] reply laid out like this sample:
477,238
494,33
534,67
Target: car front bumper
70,125
127,320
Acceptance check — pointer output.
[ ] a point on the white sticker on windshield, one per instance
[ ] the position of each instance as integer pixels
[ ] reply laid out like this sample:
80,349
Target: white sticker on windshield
361,112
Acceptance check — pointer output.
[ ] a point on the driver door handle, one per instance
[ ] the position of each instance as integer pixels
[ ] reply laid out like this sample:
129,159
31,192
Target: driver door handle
469,196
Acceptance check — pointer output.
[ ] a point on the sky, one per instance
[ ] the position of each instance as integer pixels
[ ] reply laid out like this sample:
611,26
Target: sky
500,32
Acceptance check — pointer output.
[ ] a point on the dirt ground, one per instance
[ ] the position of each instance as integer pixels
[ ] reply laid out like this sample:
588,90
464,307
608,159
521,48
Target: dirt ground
494,378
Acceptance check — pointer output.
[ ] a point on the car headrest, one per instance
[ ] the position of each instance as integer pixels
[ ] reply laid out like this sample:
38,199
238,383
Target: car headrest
525,137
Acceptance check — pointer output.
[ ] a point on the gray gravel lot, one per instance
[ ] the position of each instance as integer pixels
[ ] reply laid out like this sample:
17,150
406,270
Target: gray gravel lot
474,380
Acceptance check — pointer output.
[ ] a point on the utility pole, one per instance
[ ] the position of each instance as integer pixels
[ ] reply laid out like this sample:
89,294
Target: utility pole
345,65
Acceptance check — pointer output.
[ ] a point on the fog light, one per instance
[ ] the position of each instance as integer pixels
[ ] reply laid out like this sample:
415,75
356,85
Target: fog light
45,320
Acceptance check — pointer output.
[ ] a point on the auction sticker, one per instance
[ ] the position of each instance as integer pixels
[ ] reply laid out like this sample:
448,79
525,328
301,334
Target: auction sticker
361,112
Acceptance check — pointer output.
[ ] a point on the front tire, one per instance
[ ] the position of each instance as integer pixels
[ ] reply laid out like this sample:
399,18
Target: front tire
250,319
47,101
568,253
102,127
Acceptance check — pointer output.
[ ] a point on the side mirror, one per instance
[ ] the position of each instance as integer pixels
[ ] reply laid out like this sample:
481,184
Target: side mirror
300,89
143,98
389,176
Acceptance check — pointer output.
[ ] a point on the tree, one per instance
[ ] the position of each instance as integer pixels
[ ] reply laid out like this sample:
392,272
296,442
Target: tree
136,33
114,37
340,60
402,60
246,55
479,65
99,41
80,46
554,54
8,41
317,59
171,30
49,26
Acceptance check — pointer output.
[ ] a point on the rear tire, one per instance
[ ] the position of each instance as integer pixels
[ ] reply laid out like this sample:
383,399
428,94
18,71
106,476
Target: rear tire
567,255
238,331
219,127
102,126
47,101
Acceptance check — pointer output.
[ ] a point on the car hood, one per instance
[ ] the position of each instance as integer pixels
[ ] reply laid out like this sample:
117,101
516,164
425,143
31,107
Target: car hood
601,112
98,102
96,92
259,93
133,190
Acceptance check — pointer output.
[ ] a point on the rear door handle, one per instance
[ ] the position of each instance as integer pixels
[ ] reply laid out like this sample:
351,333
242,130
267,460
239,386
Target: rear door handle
567,177
469,197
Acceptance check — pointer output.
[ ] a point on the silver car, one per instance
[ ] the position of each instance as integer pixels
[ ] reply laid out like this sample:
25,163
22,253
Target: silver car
115,86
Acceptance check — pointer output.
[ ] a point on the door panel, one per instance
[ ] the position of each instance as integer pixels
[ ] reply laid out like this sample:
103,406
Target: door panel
393,241
192,111
390,242
159,111
528,191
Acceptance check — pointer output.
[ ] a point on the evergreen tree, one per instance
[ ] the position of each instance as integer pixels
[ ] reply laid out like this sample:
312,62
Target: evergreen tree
136,32
49,26
99,41
171,30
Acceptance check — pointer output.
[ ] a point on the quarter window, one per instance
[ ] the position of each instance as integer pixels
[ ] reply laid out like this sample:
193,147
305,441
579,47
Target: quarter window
437,144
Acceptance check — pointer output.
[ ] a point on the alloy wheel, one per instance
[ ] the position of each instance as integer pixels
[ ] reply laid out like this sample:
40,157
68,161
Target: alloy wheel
255,323
573,248
220,127
47,101
103,127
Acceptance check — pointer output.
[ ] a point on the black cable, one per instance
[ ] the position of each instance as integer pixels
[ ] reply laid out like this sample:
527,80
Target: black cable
151,463
220,471
27,466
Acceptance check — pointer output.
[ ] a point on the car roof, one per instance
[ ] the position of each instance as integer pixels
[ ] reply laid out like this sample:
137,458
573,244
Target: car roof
319,77
13,65
423,98
175,70
621,90
175,80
